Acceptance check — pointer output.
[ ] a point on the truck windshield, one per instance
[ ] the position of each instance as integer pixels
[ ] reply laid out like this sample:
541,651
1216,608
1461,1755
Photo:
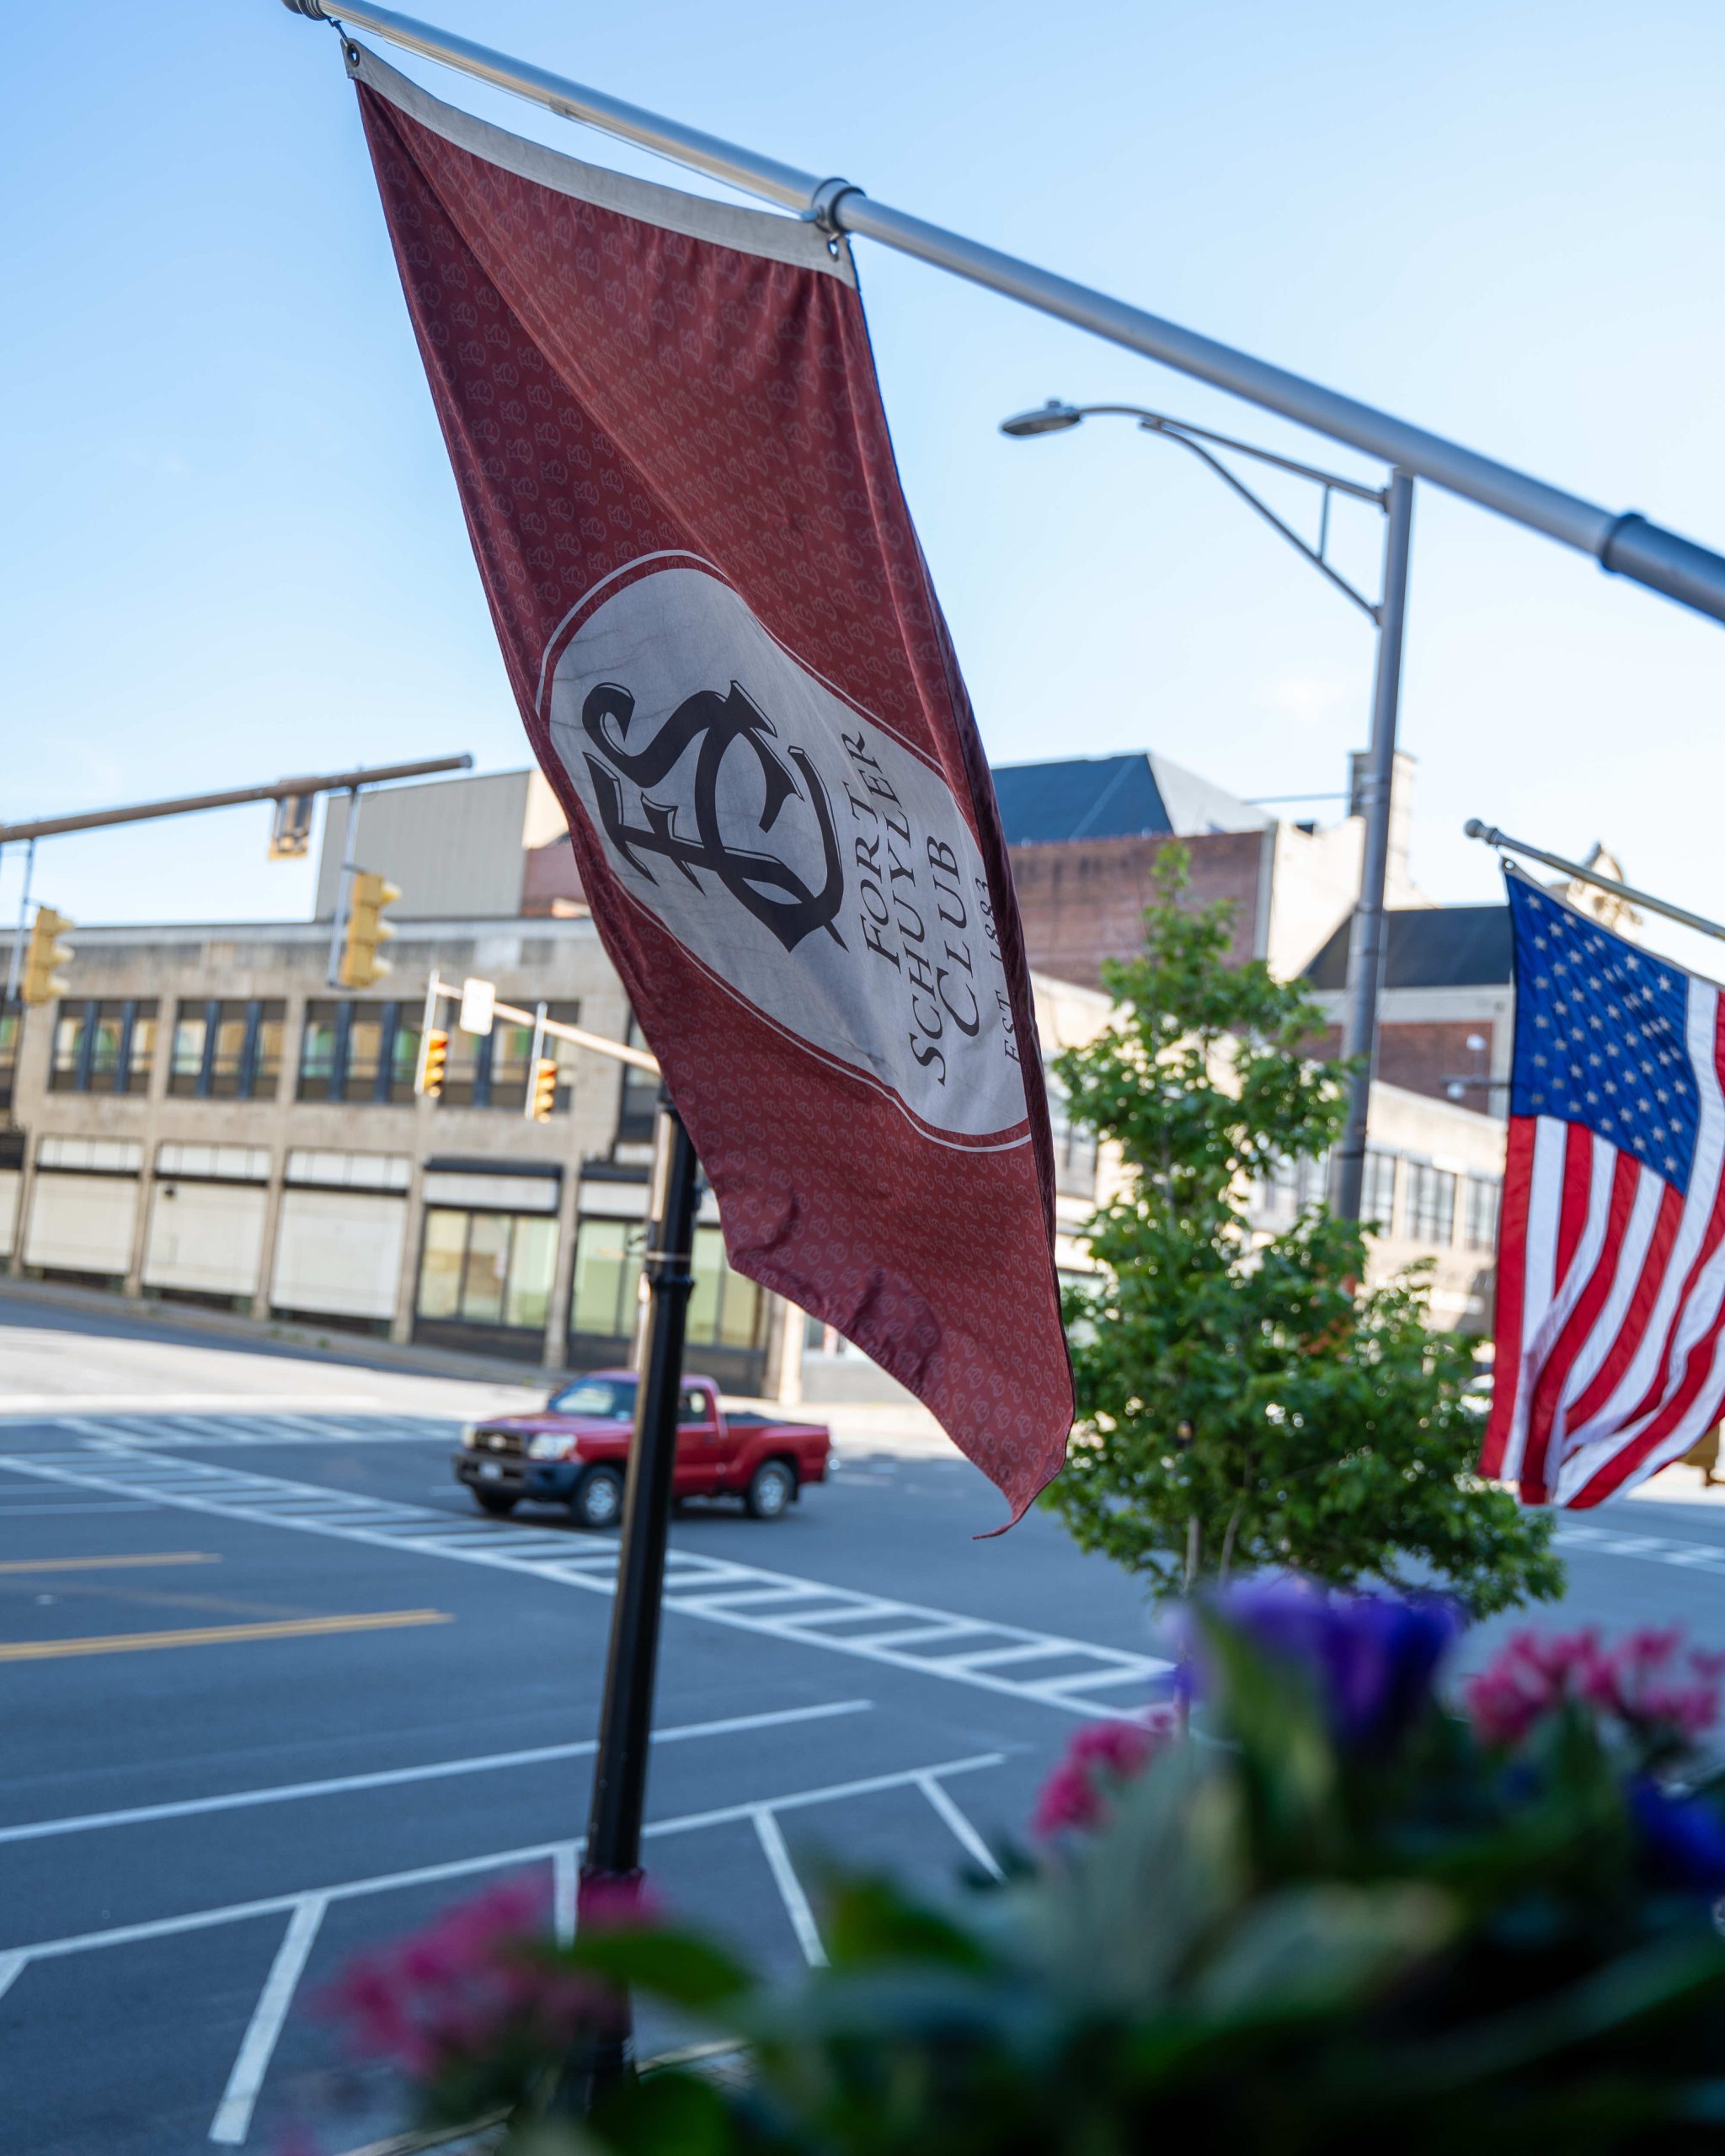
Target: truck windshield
609,1400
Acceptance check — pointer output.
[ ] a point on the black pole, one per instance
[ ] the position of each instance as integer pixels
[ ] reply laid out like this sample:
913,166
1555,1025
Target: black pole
612,1857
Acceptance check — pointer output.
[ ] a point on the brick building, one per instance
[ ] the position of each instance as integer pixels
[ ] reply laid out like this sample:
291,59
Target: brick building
1084,834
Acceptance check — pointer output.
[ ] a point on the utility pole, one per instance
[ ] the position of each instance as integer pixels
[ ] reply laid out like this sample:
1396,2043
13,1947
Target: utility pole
1366,948
1375,786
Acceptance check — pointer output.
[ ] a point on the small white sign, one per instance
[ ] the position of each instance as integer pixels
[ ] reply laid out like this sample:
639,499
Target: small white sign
478,1006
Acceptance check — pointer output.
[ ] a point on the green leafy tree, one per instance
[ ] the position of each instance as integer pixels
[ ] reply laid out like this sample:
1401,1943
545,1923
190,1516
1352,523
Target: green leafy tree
1246,1401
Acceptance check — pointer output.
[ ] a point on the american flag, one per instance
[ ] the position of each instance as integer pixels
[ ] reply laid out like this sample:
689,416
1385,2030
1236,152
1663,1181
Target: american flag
1611,1318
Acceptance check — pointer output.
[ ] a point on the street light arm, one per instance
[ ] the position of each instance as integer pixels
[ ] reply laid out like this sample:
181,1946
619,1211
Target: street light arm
1162,423
1174,433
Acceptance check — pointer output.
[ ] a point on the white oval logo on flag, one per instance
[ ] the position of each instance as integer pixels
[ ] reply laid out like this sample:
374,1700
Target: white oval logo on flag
804,855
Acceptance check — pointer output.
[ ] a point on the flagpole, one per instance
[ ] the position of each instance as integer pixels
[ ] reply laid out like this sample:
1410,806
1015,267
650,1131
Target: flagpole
1627,544
1491,836
612,1859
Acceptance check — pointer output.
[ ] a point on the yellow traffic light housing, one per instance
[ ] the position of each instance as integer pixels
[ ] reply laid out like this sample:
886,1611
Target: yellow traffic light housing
367,931
40,982
542,1089
434,1061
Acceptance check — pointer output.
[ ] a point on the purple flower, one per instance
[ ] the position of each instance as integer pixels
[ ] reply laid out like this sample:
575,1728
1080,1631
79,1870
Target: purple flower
1682,1839
1371,1659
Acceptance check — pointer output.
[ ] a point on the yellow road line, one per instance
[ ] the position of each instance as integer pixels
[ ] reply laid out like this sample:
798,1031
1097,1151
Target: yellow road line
108,1564
218,1636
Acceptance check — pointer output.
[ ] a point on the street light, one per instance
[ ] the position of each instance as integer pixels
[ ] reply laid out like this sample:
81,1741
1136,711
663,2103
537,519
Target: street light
1394,501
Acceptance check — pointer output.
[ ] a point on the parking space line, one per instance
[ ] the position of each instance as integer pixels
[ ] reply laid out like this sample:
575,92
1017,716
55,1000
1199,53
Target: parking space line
790,1888
62,1511
803,1612
466,1867
108,1563
191,1807
12,1968
219,1635
961,1827
565,1893
233,2114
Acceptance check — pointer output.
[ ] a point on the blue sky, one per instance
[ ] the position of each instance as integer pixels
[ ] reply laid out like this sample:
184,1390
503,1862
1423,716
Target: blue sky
234,550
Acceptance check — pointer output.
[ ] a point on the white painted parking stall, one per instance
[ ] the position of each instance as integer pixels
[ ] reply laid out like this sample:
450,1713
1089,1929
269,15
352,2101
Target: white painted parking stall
210,1909
1074,1676
305,1910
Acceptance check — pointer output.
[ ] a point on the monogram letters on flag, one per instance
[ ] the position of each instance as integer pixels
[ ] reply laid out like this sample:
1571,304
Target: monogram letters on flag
1610,1320
665,429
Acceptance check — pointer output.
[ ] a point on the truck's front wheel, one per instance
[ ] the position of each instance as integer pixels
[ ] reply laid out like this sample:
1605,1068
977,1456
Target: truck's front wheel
771,1488
598,1501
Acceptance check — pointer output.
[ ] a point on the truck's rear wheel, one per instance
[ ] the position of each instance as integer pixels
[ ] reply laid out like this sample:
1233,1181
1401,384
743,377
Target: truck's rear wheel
771,1488
598,1499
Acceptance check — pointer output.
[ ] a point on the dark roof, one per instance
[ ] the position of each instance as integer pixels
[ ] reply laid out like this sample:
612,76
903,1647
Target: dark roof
1114,798
1429,947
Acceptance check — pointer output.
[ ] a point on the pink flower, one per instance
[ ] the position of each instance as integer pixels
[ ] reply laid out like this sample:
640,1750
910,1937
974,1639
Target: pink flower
1647,1686
483,1977
1100,1758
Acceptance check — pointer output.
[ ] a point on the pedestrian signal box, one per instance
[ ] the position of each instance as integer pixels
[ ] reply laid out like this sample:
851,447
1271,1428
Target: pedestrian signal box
41,981
434,1061
362,963
542,1089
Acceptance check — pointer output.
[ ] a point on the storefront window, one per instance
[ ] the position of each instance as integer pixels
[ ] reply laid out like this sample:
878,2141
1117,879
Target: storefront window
487,1269
724,1309
441,1264
607,1266
532,1265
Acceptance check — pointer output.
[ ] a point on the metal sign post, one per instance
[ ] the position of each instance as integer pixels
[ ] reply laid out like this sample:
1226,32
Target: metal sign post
611,1862
1622,542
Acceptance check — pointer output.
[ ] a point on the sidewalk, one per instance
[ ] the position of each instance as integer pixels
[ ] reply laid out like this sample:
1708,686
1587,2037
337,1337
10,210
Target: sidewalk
42,1376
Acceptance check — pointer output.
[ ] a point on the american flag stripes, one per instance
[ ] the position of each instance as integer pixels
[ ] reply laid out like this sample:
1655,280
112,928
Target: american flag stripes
1610,1312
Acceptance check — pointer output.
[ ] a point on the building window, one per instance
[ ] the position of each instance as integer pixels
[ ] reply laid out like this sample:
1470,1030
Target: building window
606,1277
1074,1150
487,1269
1276,1197
1431,1203
1377,1190
103,1048
9,1054
1480,1225
726,1312
724,1308
227,1051
507,1050
356,1052
638,1106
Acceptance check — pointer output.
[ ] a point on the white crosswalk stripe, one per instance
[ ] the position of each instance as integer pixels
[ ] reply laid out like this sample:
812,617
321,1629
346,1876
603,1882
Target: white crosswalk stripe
1659,1550
905,1636
171,1432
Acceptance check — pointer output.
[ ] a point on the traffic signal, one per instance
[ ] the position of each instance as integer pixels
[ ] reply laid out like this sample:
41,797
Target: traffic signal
39,983
542,1089
290,833
434,1061
367,931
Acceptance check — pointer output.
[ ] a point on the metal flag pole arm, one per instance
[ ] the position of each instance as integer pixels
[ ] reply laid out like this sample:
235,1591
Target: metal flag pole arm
1489,835
1627,543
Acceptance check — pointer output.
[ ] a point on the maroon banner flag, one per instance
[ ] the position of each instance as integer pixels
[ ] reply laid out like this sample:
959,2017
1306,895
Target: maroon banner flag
667,435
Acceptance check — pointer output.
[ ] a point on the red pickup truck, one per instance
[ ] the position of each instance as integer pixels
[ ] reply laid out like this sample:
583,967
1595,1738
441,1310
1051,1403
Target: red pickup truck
573,1452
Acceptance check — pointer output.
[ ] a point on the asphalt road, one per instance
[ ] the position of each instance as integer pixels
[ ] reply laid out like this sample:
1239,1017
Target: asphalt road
271,1691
